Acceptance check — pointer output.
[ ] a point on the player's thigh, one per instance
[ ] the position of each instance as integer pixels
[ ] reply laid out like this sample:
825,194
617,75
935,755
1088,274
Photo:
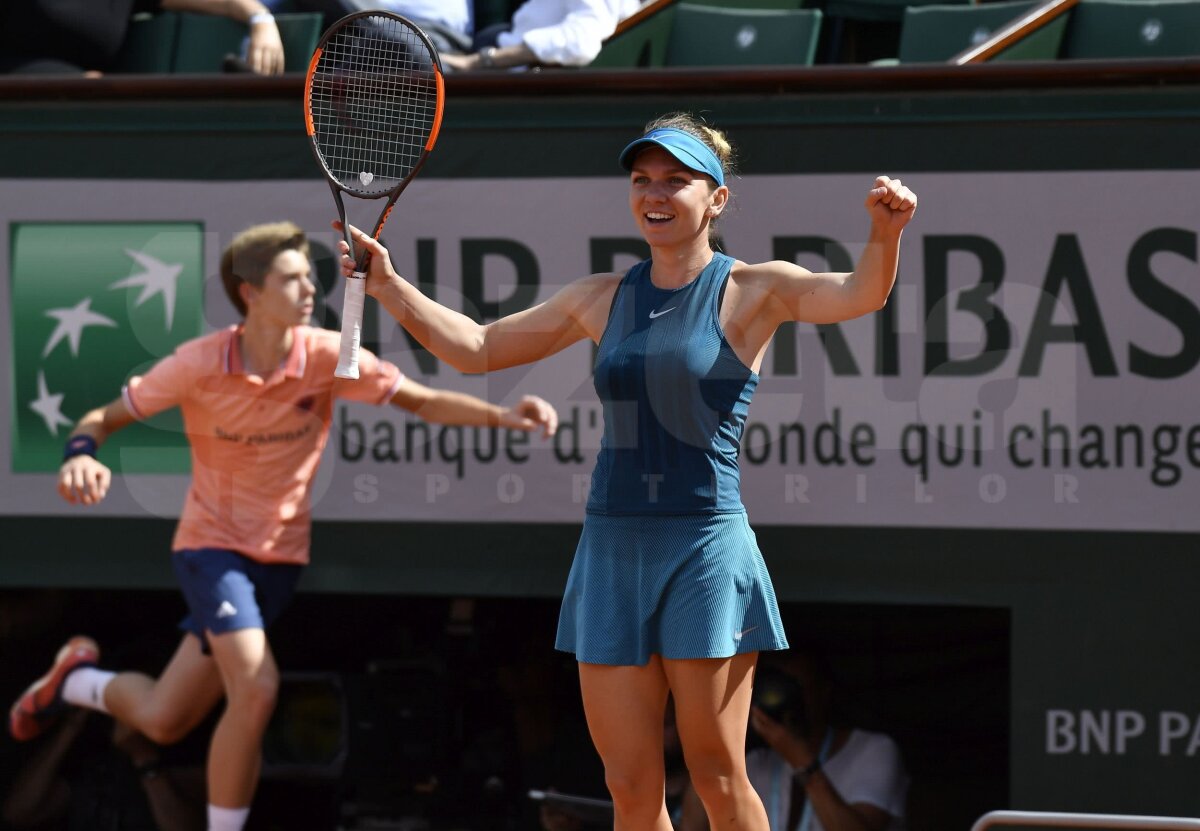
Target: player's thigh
712,708
625,707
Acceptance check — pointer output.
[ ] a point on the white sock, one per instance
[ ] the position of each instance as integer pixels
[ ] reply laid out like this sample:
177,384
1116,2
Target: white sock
226,819
85,688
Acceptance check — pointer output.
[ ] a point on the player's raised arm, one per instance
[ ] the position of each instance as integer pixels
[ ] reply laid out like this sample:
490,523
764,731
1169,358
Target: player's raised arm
800,294
83,478
575,312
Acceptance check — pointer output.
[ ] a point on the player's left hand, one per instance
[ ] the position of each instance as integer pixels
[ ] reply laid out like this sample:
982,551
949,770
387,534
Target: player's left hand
890,204
530,414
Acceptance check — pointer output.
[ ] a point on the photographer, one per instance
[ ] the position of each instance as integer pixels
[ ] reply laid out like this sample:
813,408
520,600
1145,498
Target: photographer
812,775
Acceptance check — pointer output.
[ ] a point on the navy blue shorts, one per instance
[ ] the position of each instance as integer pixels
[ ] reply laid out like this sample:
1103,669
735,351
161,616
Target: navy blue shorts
227,591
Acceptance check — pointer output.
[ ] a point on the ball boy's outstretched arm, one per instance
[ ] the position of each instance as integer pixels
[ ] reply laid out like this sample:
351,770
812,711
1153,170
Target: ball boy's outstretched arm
448,407
83,478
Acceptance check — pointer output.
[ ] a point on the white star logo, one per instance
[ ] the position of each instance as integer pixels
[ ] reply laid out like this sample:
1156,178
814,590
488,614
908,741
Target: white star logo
71,323
48,406
156,278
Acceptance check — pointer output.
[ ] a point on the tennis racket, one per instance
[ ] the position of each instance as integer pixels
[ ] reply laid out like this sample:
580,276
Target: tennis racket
373,102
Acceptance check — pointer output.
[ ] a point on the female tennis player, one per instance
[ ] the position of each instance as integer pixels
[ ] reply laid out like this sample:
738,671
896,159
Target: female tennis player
257,402
668,592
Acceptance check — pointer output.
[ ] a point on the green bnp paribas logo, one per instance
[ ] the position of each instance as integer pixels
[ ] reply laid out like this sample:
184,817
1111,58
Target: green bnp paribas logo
92,304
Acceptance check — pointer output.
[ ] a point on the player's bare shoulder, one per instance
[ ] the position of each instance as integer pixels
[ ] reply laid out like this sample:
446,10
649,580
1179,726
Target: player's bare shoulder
594,283
754,290
750,282
765,275
773,277
589,300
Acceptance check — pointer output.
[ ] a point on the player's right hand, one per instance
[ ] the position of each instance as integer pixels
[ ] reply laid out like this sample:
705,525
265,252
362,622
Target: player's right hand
83,480
380,270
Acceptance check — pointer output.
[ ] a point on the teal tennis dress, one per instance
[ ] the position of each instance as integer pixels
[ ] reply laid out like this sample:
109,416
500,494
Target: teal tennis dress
667,563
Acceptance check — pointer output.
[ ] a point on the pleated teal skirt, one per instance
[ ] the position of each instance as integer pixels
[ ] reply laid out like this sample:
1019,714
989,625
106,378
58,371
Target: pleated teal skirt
687,586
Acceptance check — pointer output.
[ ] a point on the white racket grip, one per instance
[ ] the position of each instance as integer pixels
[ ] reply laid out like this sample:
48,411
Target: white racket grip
352,318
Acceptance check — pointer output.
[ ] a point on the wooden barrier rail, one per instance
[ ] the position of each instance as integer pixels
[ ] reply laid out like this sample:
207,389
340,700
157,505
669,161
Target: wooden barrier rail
582,84
1015,31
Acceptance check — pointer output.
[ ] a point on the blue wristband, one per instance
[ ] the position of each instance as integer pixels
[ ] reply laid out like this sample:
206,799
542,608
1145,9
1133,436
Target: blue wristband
80,446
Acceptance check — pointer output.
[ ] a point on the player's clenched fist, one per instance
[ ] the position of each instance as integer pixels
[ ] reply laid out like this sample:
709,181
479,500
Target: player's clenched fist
890,204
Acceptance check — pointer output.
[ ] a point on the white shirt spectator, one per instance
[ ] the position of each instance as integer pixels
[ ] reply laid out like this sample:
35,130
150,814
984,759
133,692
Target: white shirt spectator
566,32
867,769
455,15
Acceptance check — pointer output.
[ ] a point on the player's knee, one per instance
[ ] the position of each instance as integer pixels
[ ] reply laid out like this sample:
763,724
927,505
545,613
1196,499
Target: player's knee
713,789
715,783
633,790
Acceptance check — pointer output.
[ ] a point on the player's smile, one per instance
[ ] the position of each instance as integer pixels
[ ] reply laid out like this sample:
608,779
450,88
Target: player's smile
666,196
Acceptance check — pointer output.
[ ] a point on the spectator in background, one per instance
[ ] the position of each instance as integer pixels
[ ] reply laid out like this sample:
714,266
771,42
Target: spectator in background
84,36
814,775
557,32
174,793
74,781
449,23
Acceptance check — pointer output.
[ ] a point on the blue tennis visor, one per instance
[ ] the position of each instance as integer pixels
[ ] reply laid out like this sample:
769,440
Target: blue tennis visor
689,150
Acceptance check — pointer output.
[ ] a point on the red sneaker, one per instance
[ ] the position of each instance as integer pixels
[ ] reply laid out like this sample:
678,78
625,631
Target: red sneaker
42,703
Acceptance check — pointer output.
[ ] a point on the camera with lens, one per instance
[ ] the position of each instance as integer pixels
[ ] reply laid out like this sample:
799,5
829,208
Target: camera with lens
781,697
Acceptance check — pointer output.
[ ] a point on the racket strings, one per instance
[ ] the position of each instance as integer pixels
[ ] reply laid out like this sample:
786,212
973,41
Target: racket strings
374,103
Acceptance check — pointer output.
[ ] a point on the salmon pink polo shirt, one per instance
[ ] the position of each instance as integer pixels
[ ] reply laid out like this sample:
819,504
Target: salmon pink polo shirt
256,442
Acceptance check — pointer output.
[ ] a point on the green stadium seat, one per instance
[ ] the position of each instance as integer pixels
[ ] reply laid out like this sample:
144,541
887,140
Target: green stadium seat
300,33
149,44
713,36
937,33
643,45
1133,29
875,11
205,40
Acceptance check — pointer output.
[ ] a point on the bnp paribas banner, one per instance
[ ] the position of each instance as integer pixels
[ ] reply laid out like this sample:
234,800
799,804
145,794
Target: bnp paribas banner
1035,367
90,303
